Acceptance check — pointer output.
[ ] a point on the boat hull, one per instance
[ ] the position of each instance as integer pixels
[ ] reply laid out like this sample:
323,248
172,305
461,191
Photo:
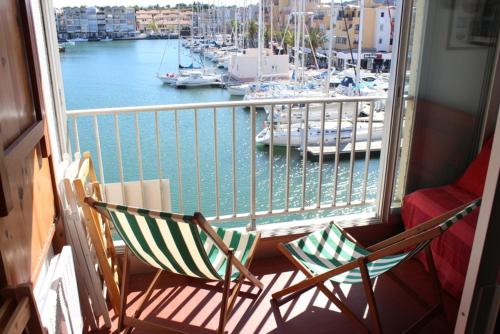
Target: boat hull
297,138
169,80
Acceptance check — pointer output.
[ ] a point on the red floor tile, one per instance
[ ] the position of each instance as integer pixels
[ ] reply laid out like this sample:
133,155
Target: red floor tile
193,306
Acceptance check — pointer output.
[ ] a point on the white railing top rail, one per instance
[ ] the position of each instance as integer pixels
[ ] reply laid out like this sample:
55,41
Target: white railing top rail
223,104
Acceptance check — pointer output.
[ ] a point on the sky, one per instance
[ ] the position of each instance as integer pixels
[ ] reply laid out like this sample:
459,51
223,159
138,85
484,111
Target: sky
74,3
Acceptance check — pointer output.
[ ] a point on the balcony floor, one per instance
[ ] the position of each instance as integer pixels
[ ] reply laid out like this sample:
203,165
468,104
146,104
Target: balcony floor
193,306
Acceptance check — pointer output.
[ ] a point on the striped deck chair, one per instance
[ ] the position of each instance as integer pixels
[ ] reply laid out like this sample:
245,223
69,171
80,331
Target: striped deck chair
185,245
332,254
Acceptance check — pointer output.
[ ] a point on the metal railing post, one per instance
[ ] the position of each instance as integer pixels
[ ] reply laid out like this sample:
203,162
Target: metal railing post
253,224
99,151
119,154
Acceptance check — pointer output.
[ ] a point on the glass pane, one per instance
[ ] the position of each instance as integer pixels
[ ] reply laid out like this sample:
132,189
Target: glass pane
449,63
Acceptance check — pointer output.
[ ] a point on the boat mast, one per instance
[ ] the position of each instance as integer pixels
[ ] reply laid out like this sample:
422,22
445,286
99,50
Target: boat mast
200,19
296,41
178,37
259,47
192,21
330,50
244,20
360,44
271,2
236,16
302,30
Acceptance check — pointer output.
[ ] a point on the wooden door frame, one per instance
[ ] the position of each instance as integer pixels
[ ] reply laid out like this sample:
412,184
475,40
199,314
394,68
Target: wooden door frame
35,135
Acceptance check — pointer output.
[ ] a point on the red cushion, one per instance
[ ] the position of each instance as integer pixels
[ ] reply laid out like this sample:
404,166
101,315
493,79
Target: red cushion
451,251
475,175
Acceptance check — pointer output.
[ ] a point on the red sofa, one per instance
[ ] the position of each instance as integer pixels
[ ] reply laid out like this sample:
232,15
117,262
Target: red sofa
452,250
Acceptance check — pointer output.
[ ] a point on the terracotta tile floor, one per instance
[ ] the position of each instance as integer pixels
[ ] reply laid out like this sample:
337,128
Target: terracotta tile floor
193,306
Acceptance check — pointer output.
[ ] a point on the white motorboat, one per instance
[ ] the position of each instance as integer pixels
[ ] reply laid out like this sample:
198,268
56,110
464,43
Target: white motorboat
107,39
238,90
370,84
197,79
78,39
283,92
297,138
298,113
168,78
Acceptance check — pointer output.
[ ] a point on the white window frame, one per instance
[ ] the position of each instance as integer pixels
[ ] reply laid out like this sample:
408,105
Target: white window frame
389,153
395,106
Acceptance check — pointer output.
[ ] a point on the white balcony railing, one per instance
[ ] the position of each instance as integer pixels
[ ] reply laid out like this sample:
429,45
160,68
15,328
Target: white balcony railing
209,153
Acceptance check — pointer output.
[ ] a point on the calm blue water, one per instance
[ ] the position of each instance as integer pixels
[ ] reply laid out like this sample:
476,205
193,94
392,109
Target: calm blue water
122,73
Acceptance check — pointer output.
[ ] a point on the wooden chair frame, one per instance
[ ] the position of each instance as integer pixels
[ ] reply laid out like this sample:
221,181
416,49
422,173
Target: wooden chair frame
228,295
394,245
99,230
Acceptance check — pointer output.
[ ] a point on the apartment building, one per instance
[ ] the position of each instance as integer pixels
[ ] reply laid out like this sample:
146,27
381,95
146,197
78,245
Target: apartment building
378,26
95,22
282,9
377,36
384,28
162,21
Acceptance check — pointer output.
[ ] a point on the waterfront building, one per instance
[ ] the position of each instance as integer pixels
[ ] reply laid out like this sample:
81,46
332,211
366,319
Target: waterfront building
384,28
378,26
377,32
95,22
348,24
163,21
123,21
145,20
377,38
283,8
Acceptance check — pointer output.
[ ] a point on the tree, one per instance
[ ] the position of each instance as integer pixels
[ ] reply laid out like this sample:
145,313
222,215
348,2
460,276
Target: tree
253,29
316,39
152,26
267,37
234,26
287,38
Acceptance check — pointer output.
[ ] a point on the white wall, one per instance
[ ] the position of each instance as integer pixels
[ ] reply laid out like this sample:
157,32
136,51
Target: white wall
382,36
455,78
244,67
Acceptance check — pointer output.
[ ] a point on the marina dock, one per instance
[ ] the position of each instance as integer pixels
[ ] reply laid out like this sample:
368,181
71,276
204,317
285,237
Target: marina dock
346,148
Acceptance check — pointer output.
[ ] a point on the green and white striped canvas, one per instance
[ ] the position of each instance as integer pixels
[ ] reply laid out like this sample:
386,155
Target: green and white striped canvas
468,209
175,242
330,248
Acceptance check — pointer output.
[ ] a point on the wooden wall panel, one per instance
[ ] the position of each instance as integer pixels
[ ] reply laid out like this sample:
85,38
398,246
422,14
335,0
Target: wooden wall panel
442,145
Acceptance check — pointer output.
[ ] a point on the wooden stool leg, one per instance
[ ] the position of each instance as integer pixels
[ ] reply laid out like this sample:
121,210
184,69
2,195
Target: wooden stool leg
370,297
123,292
148,293
225,295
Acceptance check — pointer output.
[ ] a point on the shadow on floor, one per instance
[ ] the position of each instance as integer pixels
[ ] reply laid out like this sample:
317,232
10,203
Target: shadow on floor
193,305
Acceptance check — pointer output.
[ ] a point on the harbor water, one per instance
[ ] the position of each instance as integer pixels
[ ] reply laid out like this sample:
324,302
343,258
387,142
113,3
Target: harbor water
123,74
